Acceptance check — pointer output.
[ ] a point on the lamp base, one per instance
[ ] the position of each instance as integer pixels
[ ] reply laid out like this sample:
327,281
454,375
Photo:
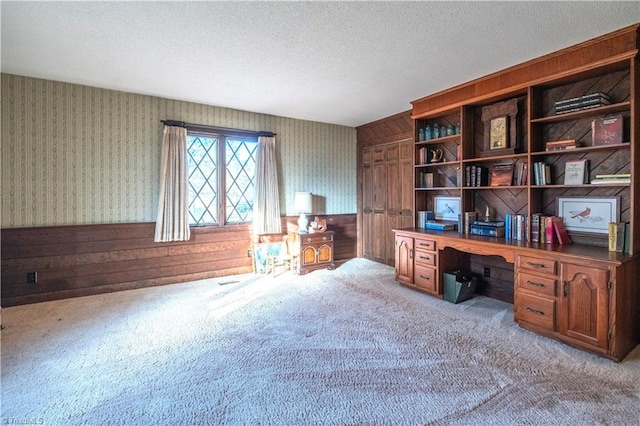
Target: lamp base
303,224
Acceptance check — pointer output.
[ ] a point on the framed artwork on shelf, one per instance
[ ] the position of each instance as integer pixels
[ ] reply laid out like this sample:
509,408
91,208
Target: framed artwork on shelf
447,208
588,214
499,133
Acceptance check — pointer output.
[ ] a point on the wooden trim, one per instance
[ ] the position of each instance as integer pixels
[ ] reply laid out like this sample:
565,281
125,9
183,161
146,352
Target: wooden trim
81,260
607,50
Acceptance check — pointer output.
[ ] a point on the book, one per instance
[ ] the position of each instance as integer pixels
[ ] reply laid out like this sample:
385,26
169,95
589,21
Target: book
562,143
482,176
576,172
607,130
627,238
469,217
589,96
549,231
489,231
560,231
502,174
521,227
561,148
492,223
440,226
616,236
604,181
423,217
535,227
617,175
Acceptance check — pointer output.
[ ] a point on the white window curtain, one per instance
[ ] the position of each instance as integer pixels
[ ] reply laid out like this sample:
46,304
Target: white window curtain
172,223
266,206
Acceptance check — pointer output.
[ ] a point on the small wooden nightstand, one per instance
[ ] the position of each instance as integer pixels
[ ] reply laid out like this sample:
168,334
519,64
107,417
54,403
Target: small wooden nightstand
314,251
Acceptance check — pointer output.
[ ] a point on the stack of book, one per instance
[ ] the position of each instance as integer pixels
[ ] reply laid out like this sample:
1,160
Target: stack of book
619,237
561,145
515,227
548,230
521,174
541,173
424,216
611,179
489,228
592,100
476,175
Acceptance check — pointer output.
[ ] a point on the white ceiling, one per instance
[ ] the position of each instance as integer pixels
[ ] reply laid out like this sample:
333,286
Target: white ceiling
346,63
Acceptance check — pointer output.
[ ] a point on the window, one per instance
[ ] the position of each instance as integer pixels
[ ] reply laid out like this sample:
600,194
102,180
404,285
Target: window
221,177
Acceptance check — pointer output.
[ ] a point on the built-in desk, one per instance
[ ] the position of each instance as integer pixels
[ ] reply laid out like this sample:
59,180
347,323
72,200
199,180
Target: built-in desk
582,295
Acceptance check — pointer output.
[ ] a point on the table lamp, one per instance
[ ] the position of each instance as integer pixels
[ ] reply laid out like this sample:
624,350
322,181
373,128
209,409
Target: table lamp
302,203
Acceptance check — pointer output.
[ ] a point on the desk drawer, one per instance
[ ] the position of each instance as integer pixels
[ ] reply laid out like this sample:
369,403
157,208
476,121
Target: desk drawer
426,258
537,264
538,311
421,244
536,284
425,277
316,238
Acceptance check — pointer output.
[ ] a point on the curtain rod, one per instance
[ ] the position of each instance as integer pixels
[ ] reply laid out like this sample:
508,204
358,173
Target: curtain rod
216,128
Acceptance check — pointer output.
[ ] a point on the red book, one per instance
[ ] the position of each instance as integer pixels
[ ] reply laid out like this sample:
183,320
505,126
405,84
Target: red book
561,231
549,231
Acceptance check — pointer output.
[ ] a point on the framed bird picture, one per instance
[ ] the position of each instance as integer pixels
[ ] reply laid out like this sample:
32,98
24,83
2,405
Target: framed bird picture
447,208
588,214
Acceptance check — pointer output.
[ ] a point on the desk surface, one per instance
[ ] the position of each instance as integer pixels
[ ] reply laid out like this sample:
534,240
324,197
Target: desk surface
507,248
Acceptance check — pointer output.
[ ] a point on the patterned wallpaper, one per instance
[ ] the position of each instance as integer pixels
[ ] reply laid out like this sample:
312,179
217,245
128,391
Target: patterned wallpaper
74,154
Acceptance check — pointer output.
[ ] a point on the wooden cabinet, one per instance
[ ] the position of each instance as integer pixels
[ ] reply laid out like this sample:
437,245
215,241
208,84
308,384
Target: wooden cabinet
567,298
416,263
579,293
387,197
314,251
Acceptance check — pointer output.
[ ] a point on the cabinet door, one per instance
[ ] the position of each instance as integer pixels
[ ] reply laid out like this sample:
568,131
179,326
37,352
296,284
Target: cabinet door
324,254
584,304
308,256
404,259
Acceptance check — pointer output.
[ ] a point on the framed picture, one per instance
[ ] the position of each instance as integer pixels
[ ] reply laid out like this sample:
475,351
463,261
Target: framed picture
447,208
588,214
499,133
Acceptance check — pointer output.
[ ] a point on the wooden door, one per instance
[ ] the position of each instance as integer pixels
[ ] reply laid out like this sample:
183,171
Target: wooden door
378,246
367,203
584,304
404,259
393,202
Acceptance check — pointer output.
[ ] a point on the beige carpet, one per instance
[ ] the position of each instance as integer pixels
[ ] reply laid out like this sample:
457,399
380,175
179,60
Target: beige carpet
342,347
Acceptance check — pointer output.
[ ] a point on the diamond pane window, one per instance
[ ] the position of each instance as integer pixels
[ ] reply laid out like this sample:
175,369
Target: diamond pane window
240,179
221,178
202,167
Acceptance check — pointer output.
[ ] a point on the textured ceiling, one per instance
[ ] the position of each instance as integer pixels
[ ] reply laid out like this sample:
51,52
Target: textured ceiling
346,63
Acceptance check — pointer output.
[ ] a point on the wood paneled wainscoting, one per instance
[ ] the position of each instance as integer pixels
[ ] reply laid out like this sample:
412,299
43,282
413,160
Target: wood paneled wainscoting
81,260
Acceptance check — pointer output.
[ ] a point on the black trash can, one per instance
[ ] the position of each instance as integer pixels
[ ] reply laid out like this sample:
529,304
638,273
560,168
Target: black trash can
459,285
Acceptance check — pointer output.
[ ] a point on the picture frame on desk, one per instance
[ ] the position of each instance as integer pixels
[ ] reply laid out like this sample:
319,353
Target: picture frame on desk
588,214
447,208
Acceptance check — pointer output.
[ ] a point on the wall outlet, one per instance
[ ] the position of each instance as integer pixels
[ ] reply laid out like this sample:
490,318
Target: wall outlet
487,272
32,277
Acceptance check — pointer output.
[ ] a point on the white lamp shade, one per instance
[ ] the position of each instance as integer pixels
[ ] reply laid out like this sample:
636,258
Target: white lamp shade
302,202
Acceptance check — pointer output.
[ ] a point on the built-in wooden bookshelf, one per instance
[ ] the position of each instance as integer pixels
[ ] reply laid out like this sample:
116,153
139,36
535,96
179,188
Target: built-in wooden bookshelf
580,293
